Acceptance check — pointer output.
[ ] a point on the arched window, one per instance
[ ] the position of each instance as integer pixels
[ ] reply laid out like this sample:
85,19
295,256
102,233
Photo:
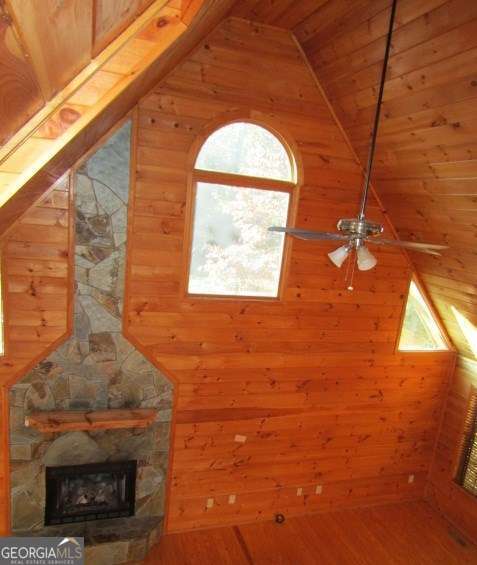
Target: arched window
243,181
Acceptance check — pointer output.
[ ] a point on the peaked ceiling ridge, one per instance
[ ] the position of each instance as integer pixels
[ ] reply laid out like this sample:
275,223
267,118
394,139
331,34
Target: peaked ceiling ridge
422,287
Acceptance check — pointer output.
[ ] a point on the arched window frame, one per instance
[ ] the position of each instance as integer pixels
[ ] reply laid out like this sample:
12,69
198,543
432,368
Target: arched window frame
241,181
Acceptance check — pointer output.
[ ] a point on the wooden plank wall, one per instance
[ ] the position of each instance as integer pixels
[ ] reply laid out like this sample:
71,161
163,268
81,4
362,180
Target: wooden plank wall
36,291
426,167
274,398
426,151
454,502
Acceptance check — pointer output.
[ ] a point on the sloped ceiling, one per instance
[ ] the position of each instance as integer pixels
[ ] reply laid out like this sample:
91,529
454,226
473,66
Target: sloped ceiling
60,132
426,169
426,164
46,44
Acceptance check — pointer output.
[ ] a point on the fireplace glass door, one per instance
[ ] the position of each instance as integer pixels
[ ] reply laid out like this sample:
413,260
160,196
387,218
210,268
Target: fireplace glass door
79,493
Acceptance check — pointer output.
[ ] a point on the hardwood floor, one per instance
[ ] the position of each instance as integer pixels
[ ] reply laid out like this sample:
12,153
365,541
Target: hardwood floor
401,534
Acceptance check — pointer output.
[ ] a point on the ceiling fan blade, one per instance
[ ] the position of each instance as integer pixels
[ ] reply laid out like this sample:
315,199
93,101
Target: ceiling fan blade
430,248
306,234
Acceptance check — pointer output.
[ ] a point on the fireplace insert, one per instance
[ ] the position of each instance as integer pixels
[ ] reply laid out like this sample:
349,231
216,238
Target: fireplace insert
79,493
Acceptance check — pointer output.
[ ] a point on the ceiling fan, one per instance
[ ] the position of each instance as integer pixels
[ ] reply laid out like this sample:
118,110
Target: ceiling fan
356,232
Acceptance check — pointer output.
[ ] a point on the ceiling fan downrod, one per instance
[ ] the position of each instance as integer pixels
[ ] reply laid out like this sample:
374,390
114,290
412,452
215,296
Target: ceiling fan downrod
355,233
358,229
377,115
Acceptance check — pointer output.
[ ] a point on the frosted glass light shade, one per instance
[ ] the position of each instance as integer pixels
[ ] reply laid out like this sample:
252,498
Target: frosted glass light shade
366,260
338,256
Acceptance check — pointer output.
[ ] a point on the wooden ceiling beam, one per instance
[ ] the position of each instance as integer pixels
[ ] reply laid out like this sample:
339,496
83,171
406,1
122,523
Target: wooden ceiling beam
57,36
90,109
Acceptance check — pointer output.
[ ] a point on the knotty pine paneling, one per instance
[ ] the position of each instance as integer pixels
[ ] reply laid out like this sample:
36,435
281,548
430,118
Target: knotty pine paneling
36,291
46,45
274,397
111,17
58,38
20,95
457,504
426,162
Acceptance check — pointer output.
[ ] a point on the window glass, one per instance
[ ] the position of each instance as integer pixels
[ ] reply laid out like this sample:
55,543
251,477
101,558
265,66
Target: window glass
468,329
245,149
420,330
233,253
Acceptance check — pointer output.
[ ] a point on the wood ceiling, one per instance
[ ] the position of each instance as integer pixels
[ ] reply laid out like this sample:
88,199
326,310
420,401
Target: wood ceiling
426,157
44,45
68,125
427,146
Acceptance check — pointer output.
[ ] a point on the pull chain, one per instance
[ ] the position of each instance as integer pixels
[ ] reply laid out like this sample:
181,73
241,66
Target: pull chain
350,269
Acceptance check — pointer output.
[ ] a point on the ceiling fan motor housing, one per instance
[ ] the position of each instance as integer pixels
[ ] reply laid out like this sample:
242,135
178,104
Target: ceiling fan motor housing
357,228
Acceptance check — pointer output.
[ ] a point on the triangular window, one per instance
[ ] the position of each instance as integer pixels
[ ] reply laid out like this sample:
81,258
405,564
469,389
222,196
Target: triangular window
420,331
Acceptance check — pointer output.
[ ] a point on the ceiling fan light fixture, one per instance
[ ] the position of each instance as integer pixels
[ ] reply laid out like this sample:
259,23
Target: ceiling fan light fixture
338,256
366,260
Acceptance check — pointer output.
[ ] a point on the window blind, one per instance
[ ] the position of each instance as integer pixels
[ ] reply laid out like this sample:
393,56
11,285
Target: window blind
467,476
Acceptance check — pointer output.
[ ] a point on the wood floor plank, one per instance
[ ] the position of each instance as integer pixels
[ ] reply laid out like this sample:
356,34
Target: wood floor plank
411,533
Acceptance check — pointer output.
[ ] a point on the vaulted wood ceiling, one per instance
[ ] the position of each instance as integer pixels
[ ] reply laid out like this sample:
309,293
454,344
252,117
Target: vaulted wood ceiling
426,161
61,131
426,169
46,44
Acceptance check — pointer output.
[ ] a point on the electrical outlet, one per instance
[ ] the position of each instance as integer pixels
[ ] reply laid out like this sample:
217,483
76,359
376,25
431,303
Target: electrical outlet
232,498
410,479
209,503
318,489
299,491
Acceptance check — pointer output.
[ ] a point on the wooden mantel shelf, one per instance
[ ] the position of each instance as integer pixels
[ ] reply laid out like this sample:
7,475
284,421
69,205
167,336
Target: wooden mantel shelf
70,420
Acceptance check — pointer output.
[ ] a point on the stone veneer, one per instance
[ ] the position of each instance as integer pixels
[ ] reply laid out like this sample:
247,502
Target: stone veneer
96,368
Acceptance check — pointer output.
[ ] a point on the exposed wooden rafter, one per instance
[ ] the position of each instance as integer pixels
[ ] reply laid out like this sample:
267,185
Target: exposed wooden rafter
90,105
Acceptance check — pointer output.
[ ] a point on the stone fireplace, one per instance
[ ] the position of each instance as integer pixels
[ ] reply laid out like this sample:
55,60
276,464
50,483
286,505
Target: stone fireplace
95,369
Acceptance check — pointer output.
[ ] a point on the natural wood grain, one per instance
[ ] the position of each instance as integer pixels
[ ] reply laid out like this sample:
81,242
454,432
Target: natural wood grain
36,275
58,38
20,96
111,94
111,17
425,160
312,400
398,534
61,421
426,156
443,491
4,468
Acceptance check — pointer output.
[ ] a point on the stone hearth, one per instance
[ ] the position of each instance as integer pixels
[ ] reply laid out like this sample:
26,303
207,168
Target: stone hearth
107,542
96,368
